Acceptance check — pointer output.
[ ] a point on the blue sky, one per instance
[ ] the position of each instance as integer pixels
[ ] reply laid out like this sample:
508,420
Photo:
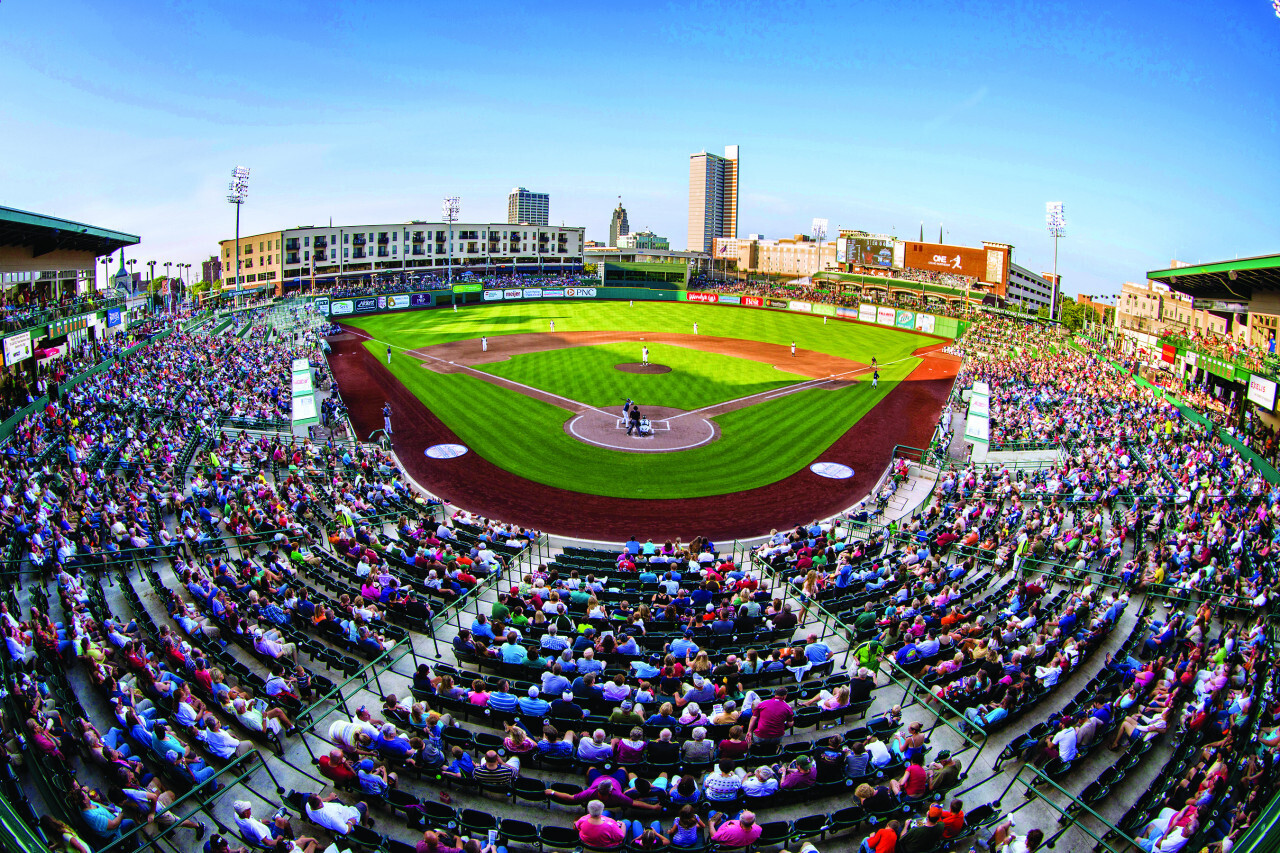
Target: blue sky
1155,123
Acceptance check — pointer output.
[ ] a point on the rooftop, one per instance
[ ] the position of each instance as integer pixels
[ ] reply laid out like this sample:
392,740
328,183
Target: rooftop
49,233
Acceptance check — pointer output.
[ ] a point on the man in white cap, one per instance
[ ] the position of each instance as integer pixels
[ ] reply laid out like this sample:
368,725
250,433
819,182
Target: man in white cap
533,704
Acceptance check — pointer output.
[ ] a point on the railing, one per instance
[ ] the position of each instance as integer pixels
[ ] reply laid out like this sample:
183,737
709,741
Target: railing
46,316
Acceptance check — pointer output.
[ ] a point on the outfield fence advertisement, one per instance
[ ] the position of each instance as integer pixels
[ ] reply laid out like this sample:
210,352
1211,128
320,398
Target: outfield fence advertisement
924,323
905,320
419,300
17,348
793,305
340,306
885,315
701,297
867,313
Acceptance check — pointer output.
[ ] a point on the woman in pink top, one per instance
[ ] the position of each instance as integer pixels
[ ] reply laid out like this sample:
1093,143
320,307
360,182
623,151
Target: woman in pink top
596,830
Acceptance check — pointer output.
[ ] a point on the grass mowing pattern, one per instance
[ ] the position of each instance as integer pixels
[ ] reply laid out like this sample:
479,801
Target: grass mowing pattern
759,445
697,379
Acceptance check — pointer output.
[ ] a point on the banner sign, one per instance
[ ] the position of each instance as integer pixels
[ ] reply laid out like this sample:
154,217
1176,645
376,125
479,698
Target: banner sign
776,303
365,304
302,384
399,300
420,300
382,302
1220,305
58,328
824,309
794,305
322,304
512,293
580,292
841,255
468,288
885,316
924,323
906,320
700,297
552,292
17,348
113,317
846,311
938,257
533,293
492,295
342,306
726,299
301,365
1168,353
753,301
867,313
1263,392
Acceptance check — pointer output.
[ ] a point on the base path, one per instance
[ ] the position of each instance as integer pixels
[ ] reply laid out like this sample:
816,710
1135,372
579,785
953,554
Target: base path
905,416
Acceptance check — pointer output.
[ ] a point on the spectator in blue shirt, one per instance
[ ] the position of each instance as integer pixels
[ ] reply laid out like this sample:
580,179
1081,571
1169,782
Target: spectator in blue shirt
533,704
683,647
512,651
817,652
480,628
502,699
588,664
553,642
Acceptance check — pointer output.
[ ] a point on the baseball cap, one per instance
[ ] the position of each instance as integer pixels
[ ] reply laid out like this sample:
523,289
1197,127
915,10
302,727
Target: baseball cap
367,764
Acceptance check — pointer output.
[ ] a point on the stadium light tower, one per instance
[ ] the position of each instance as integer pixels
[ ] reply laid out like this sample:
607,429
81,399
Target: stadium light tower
819,234
449,213
1056,219
238,191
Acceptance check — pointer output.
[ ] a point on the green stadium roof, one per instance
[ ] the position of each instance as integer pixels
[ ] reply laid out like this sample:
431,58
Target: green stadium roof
45,234
1239,279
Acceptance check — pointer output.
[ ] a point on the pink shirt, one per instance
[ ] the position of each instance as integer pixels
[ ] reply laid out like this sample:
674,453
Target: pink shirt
732,833
607,833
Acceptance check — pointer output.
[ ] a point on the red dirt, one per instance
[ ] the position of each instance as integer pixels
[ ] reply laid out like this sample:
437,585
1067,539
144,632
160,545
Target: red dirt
905,416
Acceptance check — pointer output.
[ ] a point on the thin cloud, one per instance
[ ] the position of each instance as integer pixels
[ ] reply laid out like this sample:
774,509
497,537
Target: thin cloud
944,117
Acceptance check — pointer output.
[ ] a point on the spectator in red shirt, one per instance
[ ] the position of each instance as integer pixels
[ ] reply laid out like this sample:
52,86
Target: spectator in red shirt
336,767
913,784
953,820
769,719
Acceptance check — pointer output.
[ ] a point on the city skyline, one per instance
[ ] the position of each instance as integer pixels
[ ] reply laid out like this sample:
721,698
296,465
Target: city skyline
1120,112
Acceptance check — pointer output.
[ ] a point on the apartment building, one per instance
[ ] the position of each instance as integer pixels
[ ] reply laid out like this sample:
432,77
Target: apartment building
527,208
713,198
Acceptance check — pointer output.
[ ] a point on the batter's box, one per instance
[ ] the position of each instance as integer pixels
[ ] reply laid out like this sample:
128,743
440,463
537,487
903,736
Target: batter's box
658,426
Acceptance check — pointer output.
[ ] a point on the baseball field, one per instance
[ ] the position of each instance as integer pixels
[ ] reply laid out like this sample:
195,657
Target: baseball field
737,401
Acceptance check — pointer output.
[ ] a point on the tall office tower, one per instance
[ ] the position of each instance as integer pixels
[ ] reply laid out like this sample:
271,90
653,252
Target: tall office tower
713,198
618,226
527,208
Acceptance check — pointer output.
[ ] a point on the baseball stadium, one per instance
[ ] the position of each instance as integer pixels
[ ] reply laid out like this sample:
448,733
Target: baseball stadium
532,562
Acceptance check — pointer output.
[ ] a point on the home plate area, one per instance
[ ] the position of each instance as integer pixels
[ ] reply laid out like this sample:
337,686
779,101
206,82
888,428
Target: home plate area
670,430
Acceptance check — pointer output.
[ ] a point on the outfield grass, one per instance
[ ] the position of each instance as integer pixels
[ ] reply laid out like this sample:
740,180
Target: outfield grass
697,379
758,445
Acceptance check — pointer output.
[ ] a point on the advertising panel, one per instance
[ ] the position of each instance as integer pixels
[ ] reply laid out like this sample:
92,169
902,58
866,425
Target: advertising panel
322,304
365,303
549,292
1263,392
846,311
905,320
885,316
871,251
899,255
533,293
776,303
382,302
995,266
580,292
700,297
512,293
399,300
492,295
753,301
937,257
924,323
420,300
468,288
302,384
341,306
727,299
867,313
17,348
794,305
841,254
824,308
1168,353
113,317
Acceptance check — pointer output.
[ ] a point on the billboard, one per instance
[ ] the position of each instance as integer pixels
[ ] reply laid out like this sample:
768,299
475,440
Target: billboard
1263,392
365,304
341,306
753,301
533,293
399,300
700,297
580,292
841,255
17,348
492,295
794,305
550,292
924,323
885,316
513,293
938,257
848,312
871,251
467,288
113,317
420,300
727,299
867,313
322,304
776,303
905,320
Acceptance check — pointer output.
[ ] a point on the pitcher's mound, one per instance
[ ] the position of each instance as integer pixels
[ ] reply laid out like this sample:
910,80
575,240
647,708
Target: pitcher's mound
637,367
